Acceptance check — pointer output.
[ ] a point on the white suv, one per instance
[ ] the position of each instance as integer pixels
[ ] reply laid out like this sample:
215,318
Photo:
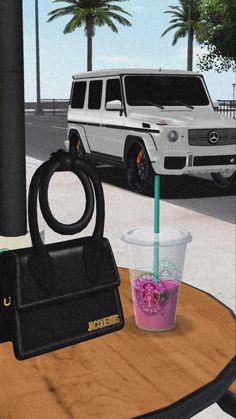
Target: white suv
150,121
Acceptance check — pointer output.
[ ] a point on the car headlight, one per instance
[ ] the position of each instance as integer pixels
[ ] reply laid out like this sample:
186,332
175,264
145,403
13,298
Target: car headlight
173,136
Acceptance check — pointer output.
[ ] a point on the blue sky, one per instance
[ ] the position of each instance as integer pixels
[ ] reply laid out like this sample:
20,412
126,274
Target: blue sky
138,46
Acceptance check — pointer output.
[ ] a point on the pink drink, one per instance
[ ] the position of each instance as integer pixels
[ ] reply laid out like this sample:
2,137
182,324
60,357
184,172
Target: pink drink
155,303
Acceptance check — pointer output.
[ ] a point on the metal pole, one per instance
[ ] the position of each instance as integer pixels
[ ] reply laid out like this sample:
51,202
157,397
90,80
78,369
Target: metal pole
234,84
38,106
190,39
12,123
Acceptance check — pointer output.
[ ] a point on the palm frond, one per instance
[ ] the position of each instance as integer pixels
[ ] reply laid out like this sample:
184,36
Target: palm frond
60,12
175,20
171,28
107,2
179,34
118,9
120,19
173,9
179,19
105,20
103,16
179,14
65,1
102,12
73,24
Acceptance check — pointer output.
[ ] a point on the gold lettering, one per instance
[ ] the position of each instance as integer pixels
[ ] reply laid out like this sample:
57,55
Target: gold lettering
104,322
91,327
117,319
110,319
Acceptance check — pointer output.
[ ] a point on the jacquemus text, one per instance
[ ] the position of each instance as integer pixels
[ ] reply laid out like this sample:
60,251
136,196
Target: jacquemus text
104,322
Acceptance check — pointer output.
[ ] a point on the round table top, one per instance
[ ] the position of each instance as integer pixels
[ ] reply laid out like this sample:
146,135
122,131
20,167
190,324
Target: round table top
131,372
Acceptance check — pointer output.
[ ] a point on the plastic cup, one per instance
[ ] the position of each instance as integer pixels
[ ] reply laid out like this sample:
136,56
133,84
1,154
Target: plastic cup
155,302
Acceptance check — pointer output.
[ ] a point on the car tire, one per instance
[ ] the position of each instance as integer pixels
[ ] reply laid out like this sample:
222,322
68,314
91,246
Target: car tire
222,181
138,169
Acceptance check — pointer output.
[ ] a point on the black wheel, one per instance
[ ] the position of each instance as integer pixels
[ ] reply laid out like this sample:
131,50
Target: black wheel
139,170
76,147
222,181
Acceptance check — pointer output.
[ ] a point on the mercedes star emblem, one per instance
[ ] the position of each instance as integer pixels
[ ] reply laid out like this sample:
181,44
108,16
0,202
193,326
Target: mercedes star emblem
214,137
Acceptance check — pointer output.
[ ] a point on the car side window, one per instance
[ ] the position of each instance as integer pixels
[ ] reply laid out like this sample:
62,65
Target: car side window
78,94
95,94
113,90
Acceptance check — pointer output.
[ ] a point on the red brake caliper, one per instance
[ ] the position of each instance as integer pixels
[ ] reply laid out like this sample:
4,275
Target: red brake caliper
78,144
140,156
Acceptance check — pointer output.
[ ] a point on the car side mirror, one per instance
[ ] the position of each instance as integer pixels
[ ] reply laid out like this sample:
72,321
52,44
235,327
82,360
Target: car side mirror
114,105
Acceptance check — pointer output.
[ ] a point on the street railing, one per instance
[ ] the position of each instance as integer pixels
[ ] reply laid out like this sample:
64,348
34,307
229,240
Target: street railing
49,106
227,107
60,107
55,106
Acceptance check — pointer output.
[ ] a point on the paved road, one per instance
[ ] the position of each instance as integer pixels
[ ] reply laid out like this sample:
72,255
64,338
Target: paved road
45,134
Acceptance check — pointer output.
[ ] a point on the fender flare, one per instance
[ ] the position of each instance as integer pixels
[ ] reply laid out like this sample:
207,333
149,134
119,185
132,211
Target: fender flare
73,135
130,140
79,132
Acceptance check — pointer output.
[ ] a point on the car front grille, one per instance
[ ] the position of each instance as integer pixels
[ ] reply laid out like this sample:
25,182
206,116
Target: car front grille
201,137
214,160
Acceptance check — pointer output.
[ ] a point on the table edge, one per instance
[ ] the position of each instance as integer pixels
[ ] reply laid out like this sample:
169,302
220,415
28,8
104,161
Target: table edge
198,400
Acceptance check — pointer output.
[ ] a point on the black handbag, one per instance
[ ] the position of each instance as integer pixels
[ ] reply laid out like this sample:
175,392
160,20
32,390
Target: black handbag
60,294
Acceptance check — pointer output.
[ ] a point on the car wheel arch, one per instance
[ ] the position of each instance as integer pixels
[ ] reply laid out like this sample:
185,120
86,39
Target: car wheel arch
129,142
76,144
73,135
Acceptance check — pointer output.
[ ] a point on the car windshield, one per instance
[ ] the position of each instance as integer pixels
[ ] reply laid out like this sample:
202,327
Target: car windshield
163,90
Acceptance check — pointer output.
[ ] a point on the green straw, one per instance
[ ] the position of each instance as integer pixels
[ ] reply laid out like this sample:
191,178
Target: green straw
156,226
3,250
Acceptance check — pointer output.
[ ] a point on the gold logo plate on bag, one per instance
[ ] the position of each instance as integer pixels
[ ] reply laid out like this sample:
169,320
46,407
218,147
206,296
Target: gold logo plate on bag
104,322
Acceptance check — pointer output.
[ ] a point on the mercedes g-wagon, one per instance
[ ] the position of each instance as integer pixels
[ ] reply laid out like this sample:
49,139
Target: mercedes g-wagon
149,121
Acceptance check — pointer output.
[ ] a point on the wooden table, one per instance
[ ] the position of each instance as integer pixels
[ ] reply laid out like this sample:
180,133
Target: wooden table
129,373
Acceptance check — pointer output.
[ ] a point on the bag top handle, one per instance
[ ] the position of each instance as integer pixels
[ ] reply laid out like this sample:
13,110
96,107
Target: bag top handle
61,161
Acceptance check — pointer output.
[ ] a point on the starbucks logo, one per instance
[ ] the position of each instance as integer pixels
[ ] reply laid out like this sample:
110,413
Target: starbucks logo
168,270
150,296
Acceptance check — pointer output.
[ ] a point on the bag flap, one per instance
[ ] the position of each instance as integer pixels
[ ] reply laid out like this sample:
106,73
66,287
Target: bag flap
82,266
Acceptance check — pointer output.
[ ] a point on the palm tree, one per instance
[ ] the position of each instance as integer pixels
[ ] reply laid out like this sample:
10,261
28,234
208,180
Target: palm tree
184,19
90,13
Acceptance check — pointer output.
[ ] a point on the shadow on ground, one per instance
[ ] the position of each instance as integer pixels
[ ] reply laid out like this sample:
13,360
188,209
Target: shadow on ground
172,187
191,192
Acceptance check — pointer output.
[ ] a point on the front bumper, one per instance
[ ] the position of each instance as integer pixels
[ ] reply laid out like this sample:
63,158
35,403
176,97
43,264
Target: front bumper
183,157
178,165
194,162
